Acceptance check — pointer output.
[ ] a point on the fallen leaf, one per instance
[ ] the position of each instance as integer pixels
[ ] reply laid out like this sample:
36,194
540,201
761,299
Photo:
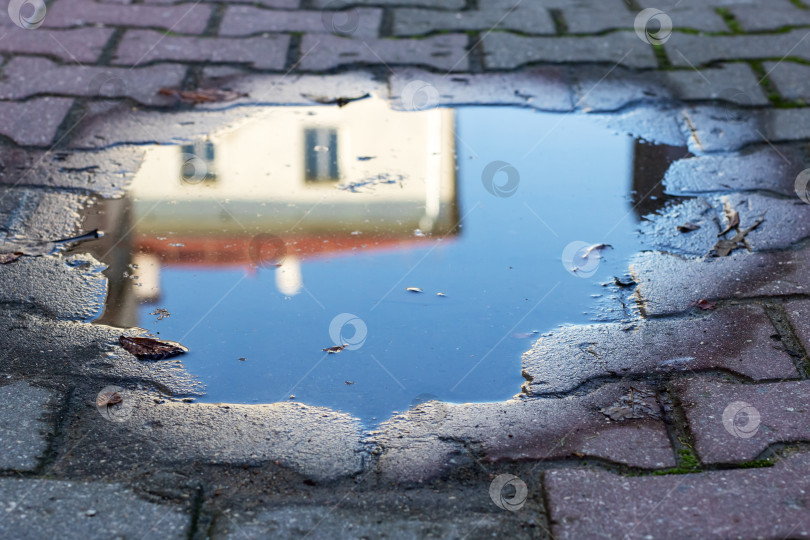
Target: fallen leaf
6,258
106,399
638,403
705,305
152,349
202,95
336,349
414,289
688,227
725,246
161,313
339,101
733,221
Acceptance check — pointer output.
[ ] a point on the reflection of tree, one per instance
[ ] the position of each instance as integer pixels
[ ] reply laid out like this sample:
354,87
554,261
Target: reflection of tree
650,163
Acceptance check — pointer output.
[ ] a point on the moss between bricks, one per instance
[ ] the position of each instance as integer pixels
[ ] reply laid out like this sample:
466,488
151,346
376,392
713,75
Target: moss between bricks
688,463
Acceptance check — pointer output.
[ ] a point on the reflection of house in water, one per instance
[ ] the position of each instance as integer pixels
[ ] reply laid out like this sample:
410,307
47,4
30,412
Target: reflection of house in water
202,203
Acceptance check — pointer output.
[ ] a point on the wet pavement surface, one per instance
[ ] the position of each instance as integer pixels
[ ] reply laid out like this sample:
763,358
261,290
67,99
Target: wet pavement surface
270,181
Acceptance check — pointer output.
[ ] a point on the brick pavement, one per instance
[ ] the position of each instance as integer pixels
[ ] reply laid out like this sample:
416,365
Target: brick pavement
716,445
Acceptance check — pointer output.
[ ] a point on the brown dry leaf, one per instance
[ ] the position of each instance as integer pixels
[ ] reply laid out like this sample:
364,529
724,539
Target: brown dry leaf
105,399
705,305
733,221
339,101
336,349
725,246
152,349
6,258
202,95
688,227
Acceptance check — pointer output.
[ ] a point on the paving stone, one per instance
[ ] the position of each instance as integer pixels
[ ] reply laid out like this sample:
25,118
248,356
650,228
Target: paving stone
749,503
785,124
323,52
692,15
67,288
610,88
39,214
316,442
713,129
790,79
733,423
143,46
786,221
695,50
92,511
544,89
660,125
106,172
799,314
508,51
82,45
247,20
761,168
596,18
752,18
34,122
278,4
440,4
27,76
735,83
182,19
528,18
23,431
736,339
432,438
329,522
672,284
660,231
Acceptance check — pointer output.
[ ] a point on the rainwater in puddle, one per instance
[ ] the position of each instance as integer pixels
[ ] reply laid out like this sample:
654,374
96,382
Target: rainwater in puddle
304,228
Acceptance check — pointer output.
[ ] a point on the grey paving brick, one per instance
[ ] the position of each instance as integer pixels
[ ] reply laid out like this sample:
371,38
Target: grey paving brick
790,79
528,18
610,88
735,83
733,423
39,214
672,284
543,88
798,312
35,121
441,4
182,19
81,45
278,4
761,168
28,76
713,129
660,230
105,172
430,439
324,52
93,511
752,503
592,18
70,288
785,124
692,15
23,429
247,20
736,339
694,50
753,18
143,46
508,51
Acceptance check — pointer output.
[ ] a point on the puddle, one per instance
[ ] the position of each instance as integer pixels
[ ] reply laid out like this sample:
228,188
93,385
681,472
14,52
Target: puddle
303,228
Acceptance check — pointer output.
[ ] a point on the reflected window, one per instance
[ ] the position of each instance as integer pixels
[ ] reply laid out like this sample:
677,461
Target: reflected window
198,162
320,155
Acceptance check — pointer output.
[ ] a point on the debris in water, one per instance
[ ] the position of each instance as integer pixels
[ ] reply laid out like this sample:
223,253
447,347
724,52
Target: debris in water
440,294
688,227
242,359
339,101
638,403
152,349
354,187
623,284
705,304
596,247
161,313
349,383
365,158
414,289
336,349
418,233
202,95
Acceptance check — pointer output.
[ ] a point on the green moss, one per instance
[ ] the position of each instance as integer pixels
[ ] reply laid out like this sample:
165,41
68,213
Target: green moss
729,19
688,463
756,464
